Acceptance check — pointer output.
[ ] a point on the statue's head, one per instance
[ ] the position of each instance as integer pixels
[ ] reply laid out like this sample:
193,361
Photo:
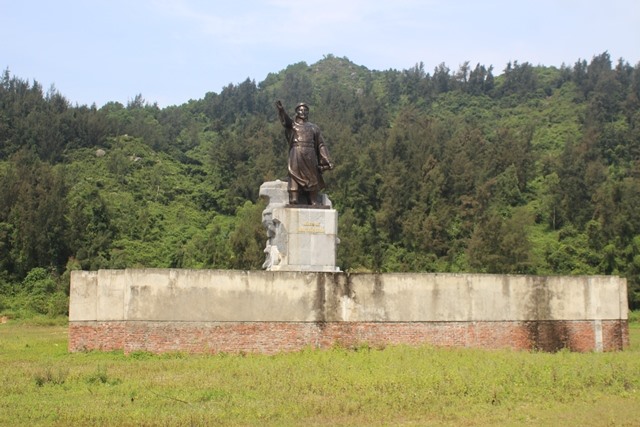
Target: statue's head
302,110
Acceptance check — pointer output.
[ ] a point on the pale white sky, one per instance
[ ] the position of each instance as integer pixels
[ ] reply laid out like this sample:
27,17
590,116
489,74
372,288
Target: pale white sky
171,51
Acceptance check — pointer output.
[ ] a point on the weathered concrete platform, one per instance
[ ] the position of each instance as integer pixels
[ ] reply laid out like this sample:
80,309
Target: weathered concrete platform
167,310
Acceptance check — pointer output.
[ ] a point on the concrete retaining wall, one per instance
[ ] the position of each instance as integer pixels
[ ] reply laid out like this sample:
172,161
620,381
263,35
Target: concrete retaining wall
164,310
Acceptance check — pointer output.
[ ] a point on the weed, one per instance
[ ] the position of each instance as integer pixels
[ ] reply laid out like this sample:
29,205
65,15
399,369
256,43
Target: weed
364,346
213,395
50,376
142,355
99,376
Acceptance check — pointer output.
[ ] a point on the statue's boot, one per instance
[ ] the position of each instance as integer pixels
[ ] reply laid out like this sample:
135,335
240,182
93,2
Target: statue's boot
313,196
293,197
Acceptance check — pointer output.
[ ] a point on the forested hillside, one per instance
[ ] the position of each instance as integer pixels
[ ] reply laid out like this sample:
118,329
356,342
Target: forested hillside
532,169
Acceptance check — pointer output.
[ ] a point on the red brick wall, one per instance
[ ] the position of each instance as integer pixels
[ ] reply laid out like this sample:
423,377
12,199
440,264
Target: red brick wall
274,337
105,336
615,335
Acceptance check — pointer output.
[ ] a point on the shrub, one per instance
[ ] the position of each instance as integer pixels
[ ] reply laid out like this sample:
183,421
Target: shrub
38,281
58,304
37,294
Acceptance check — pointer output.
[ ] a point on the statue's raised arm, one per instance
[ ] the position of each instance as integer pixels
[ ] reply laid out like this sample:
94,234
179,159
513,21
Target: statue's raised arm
284,117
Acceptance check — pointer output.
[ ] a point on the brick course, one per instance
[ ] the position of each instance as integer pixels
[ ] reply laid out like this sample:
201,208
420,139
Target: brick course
275,337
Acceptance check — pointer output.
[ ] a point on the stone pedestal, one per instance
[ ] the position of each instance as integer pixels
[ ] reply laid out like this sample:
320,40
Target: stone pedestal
300,238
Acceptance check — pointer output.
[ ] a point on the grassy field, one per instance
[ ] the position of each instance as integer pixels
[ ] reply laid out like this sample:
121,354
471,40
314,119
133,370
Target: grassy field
42,384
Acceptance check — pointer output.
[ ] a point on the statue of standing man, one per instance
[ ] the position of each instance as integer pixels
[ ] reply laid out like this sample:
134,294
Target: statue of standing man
308,156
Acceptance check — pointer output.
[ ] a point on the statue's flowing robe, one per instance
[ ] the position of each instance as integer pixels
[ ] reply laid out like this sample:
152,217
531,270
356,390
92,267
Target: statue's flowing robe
308,154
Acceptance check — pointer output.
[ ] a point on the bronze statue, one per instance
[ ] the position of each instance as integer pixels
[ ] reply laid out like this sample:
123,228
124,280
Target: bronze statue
308,156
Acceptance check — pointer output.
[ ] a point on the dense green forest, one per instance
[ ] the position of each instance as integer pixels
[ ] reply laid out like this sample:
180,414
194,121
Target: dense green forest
535,170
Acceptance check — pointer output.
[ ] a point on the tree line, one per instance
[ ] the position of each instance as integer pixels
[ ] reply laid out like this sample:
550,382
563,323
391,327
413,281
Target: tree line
532,171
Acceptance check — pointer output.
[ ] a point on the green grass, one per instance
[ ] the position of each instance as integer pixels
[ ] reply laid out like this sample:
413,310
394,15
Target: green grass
42,384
